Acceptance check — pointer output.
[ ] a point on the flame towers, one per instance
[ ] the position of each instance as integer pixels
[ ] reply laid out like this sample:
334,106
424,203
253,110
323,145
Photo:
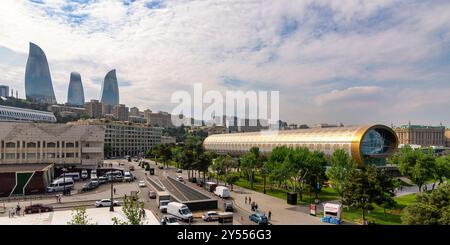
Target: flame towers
110,89
75,96
38,82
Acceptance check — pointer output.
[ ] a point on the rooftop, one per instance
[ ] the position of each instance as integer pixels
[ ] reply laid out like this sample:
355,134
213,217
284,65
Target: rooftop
8,168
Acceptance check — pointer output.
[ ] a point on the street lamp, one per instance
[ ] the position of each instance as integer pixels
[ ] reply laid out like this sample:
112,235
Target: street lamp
64,180
111,207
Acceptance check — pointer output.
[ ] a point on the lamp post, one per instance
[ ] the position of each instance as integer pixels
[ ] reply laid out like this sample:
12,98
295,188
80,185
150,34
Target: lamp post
64,180
111,208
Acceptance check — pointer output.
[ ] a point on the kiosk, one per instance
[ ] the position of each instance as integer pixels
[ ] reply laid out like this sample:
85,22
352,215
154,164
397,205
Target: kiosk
332,213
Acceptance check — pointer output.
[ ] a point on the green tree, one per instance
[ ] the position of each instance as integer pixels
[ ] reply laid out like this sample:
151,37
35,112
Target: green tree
442,169
107,149
133,210
316,175
365,187
231,180
341,167
205,161
79,217
431,208
274,165
416,164
250,163
298,168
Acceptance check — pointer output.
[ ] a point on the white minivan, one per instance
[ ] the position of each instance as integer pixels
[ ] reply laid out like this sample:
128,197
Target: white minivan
60,185
179,210
84,174
222,192
74,175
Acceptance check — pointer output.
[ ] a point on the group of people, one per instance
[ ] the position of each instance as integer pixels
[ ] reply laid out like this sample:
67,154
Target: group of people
58,198
15,211
254,206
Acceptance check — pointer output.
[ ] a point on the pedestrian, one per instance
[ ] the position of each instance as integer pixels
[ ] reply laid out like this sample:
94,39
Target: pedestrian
57,198
249,199
18,210
114,190
245,199
270,215
256,207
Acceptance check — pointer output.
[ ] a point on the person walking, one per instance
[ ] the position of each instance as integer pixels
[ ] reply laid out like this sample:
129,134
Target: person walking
270,215
245,199
114,190
256,207
249,199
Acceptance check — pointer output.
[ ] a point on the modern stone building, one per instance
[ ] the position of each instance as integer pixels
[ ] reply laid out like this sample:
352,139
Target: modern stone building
421,135
159,119
70,146
120,112
93,108
124,138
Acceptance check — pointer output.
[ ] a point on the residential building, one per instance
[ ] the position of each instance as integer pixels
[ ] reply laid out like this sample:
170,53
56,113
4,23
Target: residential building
8,113
134,111
124,138
75,95
136,119
160,119
94,108
421,135
120,112
38,81
447,137
65,145
368,144
66,109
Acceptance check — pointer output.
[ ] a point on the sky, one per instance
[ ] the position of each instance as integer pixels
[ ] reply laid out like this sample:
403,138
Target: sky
340,61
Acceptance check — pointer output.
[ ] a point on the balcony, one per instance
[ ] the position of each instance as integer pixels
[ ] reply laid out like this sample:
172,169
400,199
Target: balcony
91,150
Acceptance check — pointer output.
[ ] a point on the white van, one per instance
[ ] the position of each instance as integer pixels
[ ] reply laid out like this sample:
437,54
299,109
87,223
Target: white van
84,174
179,210
222,191
74,175
61,184
127,177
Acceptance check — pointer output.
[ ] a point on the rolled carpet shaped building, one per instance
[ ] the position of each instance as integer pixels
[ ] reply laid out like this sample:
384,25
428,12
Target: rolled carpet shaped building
368,144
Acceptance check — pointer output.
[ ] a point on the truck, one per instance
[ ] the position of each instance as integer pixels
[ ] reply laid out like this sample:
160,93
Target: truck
162,198
180,211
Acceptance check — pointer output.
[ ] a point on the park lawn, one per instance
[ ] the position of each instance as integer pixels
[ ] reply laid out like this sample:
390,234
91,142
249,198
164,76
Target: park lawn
326,194
393,216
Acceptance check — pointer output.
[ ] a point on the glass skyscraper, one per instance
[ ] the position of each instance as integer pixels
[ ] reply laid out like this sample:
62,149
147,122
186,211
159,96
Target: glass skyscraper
110,89
38,82
75,96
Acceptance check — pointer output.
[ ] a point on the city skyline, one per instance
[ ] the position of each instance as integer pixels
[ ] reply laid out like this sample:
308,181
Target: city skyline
353,63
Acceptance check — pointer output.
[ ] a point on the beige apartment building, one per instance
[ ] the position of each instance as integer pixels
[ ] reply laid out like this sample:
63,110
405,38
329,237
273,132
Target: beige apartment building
160,119
73,146
421,135
447,137
168,140
120,112
94,108
125,138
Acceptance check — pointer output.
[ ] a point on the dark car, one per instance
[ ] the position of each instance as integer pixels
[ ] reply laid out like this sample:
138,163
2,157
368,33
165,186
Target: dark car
160,167
259,218
228,207
179,170
36,208
89,186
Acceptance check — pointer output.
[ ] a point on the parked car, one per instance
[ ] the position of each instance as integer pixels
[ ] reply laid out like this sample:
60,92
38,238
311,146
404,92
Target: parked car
142,183
210,216
61,185
169,220
89,186
228,207
179,178
127,177
259,218
152,194
84,174
36,208
102,180
160,167
200,183
105,203
131,168
179,171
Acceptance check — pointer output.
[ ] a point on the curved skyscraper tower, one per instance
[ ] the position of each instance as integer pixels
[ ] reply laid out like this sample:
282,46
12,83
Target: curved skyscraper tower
38,82
110,89
75,96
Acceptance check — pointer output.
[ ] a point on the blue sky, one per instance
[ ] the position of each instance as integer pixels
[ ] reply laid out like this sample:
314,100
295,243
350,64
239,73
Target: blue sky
354,62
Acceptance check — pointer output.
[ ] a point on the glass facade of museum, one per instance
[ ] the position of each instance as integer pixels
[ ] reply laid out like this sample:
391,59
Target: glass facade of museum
369,144
38,82
75,96
110,89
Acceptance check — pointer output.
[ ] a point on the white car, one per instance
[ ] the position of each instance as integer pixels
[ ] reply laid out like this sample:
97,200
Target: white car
210,216
105,203
179,178
142,183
